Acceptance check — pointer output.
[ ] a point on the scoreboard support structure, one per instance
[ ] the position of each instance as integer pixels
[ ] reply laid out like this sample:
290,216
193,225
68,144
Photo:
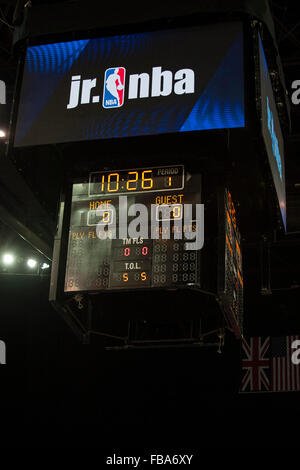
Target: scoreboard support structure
194,338
139,333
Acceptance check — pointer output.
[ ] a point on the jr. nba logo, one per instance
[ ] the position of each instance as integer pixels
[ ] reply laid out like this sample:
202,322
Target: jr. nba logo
113,90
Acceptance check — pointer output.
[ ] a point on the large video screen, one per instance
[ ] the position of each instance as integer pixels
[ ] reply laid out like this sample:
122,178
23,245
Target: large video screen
157,82
272,134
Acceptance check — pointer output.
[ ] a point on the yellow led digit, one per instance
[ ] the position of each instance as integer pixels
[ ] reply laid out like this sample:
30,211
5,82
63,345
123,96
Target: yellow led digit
102,183
143,276
109,182
134,180
177,212
147,183
125,277
106,217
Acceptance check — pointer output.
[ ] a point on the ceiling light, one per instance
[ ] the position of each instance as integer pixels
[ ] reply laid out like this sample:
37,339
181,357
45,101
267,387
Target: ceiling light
7,258
31,263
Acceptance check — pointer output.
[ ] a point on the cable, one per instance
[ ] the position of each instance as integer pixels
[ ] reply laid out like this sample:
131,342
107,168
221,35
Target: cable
7,24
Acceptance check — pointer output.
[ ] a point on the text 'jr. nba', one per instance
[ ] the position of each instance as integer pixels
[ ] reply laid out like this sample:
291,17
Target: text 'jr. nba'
161,83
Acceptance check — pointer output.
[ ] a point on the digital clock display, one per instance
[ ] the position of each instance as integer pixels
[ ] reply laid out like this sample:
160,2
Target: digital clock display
136,180
158,260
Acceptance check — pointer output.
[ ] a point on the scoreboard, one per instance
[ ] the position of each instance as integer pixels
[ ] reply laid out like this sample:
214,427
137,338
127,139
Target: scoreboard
128,230
131,230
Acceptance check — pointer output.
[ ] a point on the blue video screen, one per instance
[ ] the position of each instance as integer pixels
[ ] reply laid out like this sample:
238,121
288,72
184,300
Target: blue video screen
177,80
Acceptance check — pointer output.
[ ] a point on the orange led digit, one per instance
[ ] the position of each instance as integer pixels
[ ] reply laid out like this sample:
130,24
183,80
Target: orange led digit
106,217
109,182
128,187
102,183
177,212
149,181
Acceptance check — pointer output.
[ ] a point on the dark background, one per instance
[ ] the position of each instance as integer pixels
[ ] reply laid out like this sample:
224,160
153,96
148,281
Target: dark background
59,393
56,392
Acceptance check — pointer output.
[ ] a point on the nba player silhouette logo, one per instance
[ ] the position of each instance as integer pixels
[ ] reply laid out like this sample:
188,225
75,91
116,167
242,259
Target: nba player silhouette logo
114,87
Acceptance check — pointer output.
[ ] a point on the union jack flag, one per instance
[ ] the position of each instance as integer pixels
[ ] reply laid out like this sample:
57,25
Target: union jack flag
269,364
256,365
